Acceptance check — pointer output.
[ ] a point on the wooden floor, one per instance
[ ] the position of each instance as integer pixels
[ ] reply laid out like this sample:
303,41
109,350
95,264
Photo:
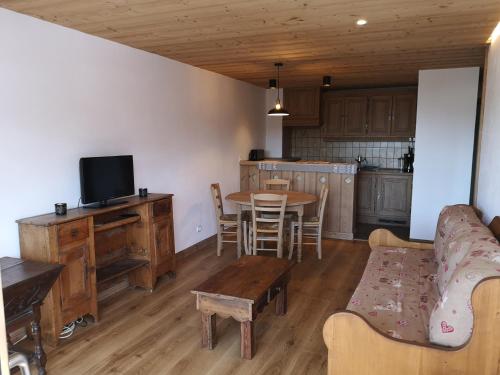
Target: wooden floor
159,332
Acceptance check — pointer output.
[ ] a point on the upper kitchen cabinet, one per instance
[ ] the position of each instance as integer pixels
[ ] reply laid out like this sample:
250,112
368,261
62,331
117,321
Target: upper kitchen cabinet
388,113
333,115
404,114
344,116
303,105
355,115
380,115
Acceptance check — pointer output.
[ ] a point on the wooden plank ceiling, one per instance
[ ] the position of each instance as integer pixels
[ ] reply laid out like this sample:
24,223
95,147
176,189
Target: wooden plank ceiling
243,38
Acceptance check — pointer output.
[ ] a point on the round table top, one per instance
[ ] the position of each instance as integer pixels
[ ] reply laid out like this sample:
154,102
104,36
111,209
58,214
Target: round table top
295,198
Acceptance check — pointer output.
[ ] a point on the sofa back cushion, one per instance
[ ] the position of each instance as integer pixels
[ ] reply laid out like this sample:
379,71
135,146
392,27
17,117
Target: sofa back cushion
451,320
458,229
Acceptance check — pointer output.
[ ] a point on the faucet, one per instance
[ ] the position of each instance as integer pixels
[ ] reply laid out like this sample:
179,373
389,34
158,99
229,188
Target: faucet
360,159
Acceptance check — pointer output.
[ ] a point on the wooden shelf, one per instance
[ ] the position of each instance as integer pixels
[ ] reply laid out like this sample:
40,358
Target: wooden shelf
120,221
118,268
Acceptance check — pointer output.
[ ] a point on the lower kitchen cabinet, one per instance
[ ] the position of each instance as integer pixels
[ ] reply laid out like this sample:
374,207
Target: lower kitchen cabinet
384,197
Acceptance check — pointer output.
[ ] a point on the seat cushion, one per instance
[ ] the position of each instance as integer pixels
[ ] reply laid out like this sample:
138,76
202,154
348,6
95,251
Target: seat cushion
458,229
397,292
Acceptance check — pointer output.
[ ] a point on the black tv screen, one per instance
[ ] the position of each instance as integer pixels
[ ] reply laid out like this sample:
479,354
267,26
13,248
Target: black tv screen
104,178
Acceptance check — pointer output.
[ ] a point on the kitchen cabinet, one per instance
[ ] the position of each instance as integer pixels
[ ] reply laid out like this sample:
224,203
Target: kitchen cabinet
303,104
369,114
394,196
404,115
333,115
367,186
355,115
380,115
384,197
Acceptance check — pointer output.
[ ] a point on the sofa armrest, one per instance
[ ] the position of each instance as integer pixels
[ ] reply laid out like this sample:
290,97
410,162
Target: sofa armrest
384,237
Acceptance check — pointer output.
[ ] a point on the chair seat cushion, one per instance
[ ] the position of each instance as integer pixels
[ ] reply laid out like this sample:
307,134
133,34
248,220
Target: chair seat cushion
397,292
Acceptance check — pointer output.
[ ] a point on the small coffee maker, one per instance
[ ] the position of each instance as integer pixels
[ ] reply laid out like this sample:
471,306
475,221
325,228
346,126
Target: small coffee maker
408,160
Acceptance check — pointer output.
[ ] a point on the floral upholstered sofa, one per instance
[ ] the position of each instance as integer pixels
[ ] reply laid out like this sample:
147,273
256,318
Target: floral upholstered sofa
424,308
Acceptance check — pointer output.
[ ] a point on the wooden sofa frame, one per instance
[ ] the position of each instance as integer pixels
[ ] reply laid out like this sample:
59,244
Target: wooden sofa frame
356,347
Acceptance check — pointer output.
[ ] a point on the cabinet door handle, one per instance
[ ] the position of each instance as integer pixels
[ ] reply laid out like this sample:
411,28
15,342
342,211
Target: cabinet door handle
74,232
379,196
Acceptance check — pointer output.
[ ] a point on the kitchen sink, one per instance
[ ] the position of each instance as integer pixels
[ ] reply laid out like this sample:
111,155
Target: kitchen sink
369,168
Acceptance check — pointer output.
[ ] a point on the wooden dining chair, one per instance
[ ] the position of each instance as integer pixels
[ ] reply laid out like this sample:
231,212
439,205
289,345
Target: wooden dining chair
277,184
268,212
227,224
311,226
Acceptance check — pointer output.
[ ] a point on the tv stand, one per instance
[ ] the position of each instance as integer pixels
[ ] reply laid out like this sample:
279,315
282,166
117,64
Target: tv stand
128,243
106,203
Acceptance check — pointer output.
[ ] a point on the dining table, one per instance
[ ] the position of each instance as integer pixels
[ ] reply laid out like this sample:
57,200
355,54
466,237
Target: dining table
296,200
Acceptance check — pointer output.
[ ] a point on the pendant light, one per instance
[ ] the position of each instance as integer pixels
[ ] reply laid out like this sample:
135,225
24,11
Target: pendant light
278,109
327,81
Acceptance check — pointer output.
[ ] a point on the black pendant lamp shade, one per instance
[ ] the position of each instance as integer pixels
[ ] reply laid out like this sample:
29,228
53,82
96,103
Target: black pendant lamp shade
278,109
272,83
327,81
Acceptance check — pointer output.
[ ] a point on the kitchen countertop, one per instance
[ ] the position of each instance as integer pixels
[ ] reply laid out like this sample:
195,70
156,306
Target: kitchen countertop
386,171
303,166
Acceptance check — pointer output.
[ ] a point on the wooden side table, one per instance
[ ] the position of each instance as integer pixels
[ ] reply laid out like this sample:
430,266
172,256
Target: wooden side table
241,291
25,284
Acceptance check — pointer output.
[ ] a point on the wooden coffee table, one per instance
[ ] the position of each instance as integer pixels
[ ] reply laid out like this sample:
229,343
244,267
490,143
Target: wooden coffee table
241,291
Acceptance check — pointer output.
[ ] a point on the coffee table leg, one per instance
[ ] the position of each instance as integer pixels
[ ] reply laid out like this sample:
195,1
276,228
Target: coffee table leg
208,331
281,301
247,340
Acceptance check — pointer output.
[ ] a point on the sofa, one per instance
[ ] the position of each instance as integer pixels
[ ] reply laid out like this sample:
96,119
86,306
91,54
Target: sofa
424,308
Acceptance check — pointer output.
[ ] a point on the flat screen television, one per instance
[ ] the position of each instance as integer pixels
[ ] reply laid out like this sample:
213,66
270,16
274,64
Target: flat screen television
106,178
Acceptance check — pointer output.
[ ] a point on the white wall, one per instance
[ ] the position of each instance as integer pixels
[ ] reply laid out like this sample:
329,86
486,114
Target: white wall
274,127
446,115
488,197
65,95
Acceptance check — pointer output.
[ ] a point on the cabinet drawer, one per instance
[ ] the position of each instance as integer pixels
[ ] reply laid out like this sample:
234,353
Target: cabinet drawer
72,231
162,208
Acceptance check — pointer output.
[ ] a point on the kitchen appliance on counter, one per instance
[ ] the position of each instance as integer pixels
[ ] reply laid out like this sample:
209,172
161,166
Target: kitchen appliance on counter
408,160
256,155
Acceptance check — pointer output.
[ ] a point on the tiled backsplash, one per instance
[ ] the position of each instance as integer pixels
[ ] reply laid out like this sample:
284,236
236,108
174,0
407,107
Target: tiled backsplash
308,144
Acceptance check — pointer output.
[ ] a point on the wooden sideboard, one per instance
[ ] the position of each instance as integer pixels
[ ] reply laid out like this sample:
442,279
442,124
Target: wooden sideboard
132,241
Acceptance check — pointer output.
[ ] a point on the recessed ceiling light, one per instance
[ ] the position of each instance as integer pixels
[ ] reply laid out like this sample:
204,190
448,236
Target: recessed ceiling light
361,22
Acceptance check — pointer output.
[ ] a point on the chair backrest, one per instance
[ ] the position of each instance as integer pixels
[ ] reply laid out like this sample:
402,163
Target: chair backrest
320,210
277,183
217,199
262,206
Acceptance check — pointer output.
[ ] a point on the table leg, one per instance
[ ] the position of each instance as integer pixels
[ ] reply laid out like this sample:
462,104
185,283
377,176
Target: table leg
238,230
247,340
39,354
208,331
300,214
282,300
